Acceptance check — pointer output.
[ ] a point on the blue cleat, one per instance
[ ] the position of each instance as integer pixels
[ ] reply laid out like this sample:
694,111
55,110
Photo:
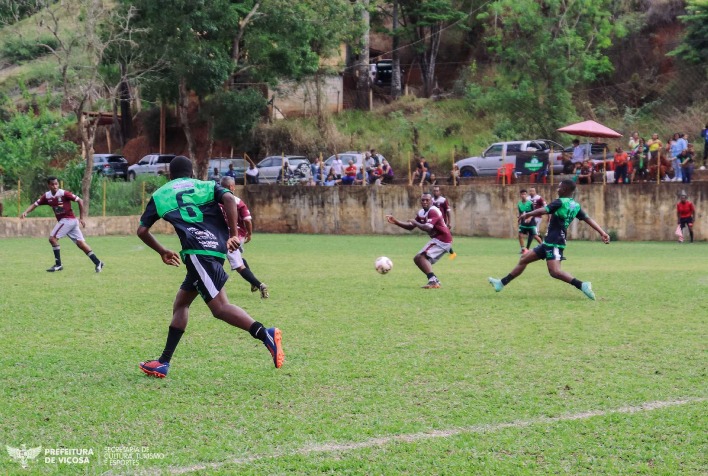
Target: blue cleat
496,283
586,288
273,343
155,368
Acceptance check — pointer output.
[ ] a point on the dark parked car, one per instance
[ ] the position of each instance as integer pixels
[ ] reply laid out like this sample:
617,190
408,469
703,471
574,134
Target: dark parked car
110,165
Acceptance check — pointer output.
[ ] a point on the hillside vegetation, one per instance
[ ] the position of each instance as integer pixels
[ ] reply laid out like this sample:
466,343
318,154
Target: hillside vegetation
521,81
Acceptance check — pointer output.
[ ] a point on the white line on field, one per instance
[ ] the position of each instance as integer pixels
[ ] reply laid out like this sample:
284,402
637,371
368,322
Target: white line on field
409,438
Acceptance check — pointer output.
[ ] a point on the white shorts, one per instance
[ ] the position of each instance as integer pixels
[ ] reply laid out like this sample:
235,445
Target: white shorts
434,249
68,227
235,259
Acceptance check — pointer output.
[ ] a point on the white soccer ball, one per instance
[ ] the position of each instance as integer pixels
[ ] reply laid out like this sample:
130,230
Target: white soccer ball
383,264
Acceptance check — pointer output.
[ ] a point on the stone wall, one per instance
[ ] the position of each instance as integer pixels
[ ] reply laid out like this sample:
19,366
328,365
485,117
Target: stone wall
632,212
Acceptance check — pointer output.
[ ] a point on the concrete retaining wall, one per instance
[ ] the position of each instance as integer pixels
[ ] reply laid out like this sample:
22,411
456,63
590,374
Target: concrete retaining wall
634,212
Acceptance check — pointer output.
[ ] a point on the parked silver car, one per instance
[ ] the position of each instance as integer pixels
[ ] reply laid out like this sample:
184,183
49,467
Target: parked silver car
501,153
270,167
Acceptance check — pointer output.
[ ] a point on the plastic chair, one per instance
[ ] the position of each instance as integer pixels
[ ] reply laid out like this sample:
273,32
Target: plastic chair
534,177
506,173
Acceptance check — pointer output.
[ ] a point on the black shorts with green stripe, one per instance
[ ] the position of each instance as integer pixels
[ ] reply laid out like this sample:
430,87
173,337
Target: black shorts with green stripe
205,274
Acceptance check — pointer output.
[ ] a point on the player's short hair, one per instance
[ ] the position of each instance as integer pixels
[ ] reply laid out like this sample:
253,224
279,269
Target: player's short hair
569,185
426,193
51,178
523,190
227,182
180,167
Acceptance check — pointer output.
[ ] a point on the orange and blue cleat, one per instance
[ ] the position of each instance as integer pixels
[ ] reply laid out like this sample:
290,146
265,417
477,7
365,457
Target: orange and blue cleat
155,368
273,343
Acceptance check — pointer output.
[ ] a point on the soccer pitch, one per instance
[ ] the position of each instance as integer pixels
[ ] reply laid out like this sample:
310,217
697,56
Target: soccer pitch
381,377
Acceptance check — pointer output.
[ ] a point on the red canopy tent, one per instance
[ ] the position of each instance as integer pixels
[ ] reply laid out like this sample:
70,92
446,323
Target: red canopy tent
592,129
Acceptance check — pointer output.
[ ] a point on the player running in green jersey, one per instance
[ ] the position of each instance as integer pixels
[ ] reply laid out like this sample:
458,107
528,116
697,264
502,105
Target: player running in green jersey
192,207
563,211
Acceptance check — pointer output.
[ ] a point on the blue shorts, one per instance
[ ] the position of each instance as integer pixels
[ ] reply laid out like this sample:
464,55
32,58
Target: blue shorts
549,252
205,274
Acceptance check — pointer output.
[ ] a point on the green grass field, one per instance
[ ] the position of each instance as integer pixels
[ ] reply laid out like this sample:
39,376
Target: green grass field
381,377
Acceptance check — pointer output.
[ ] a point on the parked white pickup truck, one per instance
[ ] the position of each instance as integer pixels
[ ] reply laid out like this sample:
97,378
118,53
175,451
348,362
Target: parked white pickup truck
153,164
501,153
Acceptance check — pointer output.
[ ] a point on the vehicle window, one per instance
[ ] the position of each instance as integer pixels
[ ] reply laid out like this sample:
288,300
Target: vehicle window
144,161
494,150
116,159
165,159
511,148
269,162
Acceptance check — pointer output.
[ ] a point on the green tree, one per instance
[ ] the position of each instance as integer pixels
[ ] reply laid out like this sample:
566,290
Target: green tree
30,140
694,46
234,114
541,52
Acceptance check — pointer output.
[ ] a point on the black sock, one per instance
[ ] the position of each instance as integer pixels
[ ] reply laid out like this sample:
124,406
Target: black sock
507,279
173,337
245,263
247,274
57,255
577,283
93,258
690,230
258,331
528,241
430,276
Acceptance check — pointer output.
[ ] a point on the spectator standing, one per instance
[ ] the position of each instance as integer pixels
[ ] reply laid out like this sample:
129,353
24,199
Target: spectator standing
215,175
252,173
685,212
621,166
337,167
231,172
286,176
579,153
317,171
640,161
675,147
454,178
633,141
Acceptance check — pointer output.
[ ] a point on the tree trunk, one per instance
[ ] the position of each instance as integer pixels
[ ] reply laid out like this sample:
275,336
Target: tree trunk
126,123
428,57
183,105
87,130
363,81
396,56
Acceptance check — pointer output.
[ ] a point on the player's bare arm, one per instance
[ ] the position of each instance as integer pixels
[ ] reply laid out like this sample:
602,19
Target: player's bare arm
231,210
404,225
534,213
169,257
81,212
593,224
29,210
423,226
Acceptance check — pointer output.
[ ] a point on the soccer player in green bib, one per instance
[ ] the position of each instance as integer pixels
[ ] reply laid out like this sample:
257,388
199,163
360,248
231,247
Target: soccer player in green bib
192,207
528,226
563,211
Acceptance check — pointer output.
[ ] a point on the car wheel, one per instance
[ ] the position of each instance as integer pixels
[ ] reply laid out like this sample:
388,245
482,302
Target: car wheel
131,176
467,172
